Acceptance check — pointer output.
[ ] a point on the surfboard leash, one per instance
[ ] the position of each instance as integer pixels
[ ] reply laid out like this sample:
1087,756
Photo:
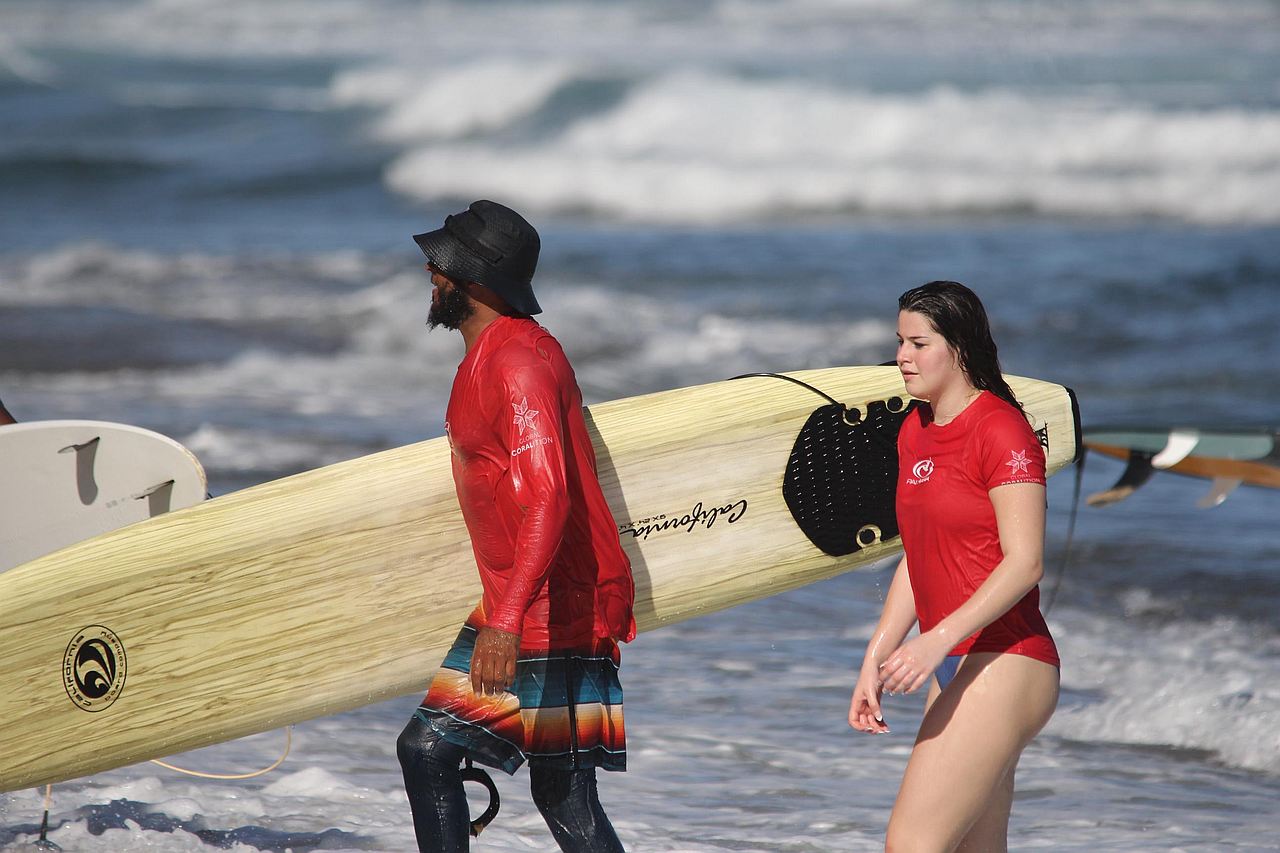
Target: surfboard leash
43,842
823,394
845,410
233,777
1071,533
471,773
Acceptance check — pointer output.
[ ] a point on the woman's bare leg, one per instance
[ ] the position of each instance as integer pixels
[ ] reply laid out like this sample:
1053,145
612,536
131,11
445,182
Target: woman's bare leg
991,830
958,786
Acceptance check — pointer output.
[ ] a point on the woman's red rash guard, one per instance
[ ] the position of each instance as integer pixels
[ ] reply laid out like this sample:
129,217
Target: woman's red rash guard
948,524
545,541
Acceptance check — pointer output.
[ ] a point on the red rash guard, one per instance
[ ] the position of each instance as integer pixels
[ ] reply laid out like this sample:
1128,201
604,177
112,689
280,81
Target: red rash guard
545,542
948,524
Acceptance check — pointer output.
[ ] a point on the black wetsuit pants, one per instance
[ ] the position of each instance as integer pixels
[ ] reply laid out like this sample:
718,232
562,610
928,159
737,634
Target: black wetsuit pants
567,799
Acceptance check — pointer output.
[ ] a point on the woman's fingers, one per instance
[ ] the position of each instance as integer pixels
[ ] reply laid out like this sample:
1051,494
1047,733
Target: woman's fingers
893,674
864,709
901,673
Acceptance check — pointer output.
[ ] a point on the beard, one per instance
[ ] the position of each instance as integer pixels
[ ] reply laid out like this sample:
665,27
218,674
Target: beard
451,310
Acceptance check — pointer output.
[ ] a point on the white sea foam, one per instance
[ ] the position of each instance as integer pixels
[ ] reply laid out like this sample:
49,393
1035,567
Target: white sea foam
457,28
1209,685
694,147
132,837
199,285
382,362
204,29
312,782
720,124
430,103
1141,14
241,451
301,29
625,344
22,65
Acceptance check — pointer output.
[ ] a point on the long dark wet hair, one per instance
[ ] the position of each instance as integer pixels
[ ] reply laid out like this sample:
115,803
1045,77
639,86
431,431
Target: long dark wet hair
957,314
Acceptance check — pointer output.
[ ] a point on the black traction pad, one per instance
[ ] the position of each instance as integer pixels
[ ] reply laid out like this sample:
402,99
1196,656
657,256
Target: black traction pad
843,474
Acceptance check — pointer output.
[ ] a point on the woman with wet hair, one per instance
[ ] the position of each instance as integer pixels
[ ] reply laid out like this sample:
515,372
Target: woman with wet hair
971,509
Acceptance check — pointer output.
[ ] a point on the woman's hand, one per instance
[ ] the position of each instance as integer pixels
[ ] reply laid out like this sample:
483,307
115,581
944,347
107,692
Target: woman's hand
864,708
908,668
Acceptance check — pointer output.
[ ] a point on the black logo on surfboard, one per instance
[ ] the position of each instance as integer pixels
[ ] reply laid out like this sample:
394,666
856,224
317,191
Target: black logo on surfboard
94,668
699,517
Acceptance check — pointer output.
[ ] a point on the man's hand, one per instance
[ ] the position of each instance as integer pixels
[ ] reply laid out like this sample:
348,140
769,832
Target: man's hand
493,663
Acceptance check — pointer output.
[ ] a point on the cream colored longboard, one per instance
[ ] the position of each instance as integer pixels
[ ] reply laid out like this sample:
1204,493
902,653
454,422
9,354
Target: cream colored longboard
65,481
345,585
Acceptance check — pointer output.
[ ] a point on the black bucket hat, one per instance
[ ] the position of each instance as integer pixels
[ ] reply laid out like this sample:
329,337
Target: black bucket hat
490,244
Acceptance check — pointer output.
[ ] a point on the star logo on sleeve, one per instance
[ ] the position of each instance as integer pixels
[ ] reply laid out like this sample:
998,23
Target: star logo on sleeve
1018,462
524,415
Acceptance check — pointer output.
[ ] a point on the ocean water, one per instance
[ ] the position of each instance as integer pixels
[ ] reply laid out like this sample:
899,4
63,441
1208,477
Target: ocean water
205,210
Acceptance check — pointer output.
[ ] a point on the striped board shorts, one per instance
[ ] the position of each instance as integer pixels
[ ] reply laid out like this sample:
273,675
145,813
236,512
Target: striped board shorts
564,709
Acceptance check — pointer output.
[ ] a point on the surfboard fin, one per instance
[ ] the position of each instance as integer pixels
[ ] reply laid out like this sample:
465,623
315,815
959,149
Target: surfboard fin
1179,446
1218,491
1137,472
159,498
86,484
1228,457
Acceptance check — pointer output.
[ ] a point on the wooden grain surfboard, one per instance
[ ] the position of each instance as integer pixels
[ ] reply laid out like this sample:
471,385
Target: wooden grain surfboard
342,586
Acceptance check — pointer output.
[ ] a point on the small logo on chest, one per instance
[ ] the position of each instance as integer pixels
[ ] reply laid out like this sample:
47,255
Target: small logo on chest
920,472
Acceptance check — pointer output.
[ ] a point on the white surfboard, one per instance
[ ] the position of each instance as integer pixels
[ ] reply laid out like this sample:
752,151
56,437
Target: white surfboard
339,587
65,481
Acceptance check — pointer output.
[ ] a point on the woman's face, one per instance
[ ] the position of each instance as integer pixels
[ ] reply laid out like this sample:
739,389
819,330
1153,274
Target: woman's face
927,362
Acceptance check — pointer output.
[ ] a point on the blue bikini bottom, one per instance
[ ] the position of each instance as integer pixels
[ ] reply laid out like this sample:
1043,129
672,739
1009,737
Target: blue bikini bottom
947,670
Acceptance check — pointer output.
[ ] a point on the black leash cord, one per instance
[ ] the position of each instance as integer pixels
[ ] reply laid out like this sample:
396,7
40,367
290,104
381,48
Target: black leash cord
1071,532
821,394
475,774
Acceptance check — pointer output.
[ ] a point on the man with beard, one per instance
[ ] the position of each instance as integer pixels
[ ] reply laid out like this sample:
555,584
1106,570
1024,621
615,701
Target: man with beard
533,674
